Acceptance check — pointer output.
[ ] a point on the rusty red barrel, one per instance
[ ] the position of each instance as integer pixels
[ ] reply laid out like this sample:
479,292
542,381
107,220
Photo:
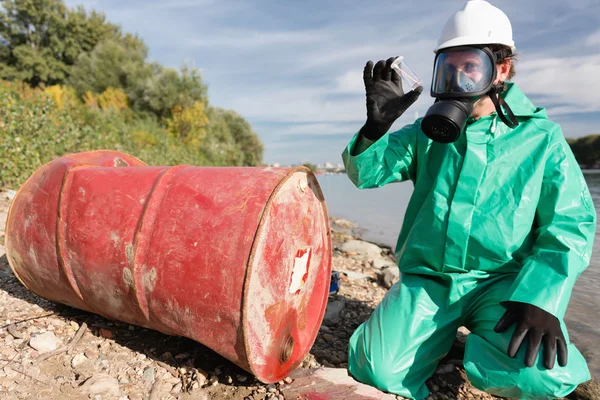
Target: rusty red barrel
238,259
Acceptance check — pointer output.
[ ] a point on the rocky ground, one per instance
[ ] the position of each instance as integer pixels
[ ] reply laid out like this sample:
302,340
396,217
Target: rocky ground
51,351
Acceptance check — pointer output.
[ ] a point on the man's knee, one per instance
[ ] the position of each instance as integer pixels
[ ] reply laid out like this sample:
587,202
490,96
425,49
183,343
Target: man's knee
492,371
528,383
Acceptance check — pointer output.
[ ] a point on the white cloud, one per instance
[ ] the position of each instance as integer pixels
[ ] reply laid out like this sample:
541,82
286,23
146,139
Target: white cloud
593,40
246,39
569,84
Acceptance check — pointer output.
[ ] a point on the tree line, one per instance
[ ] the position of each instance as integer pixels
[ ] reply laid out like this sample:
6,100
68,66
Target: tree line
71,81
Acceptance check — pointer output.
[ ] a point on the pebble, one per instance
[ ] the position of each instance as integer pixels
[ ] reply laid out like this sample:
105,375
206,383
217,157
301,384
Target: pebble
74,325
176,388
329,337
242,378
214,380
101,384
78,360
333,312
182,356
202,377
106,333
445,369
288,380
149,374
44,342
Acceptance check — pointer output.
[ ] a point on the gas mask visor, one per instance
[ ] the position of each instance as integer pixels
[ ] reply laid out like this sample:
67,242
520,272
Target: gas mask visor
463,72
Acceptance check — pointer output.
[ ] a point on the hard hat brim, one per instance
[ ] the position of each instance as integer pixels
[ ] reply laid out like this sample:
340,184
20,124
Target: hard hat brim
472,41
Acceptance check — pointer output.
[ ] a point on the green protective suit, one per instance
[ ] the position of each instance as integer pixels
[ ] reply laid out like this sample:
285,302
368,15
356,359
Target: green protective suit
499,215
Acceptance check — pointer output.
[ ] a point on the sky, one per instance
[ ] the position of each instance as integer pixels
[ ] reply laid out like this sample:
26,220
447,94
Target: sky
293,69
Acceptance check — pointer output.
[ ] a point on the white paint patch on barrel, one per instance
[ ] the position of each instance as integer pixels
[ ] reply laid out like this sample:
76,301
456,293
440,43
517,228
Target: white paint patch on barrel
300,270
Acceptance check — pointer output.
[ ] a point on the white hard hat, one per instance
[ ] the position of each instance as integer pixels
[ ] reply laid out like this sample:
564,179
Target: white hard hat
478,22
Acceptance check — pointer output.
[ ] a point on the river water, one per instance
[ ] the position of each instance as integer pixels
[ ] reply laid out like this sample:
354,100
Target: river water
379,213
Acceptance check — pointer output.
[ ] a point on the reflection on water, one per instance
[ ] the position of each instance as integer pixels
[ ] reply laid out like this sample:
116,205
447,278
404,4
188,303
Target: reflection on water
380,213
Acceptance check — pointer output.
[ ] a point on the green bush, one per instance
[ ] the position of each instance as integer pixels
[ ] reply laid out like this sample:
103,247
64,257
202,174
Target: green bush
34,130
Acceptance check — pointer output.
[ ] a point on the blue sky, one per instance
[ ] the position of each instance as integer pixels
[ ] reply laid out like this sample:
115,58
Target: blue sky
293,69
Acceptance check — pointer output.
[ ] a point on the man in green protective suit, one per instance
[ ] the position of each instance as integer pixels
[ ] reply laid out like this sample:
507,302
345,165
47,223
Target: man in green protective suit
498,229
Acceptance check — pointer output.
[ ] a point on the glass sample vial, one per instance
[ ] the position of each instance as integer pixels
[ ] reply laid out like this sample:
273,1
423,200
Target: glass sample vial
409,77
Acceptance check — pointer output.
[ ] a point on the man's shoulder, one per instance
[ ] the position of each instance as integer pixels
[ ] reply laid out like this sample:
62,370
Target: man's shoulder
540,126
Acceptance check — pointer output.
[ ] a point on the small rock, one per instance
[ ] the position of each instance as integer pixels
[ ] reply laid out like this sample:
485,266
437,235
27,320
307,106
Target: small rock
445,369
271,388
242,378
333,312
218,371
388,276
360,247
381,263
44,342
74,325
214,380
228,380
101,384
324,328
9,194
328,337
106,333
182,356
149,374
141,357
202,377
91,354
435,388
354,275
176,388
288,380
78,360
131,328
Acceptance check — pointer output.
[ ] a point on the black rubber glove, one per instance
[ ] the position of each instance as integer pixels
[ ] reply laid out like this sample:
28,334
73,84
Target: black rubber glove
539,327
386,100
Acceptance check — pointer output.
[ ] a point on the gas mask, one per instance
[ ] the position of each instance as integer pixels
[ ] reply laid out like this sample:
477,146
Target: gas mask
462,75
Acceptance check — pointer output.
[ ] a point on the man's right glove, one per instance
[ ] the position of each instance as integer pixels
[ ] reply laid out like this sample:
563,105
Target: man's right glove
386,100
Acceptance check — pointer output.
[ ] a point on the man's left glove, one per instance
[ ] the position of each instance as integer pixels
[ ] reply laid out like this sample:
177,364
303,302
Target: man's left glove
538,326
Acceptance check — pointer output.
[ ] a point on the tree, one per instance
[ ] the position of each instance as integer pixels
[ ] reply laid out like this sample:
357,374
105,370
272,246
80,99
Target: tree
230,140
119,64
245,138
586,150
167,88
188,123
41,39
